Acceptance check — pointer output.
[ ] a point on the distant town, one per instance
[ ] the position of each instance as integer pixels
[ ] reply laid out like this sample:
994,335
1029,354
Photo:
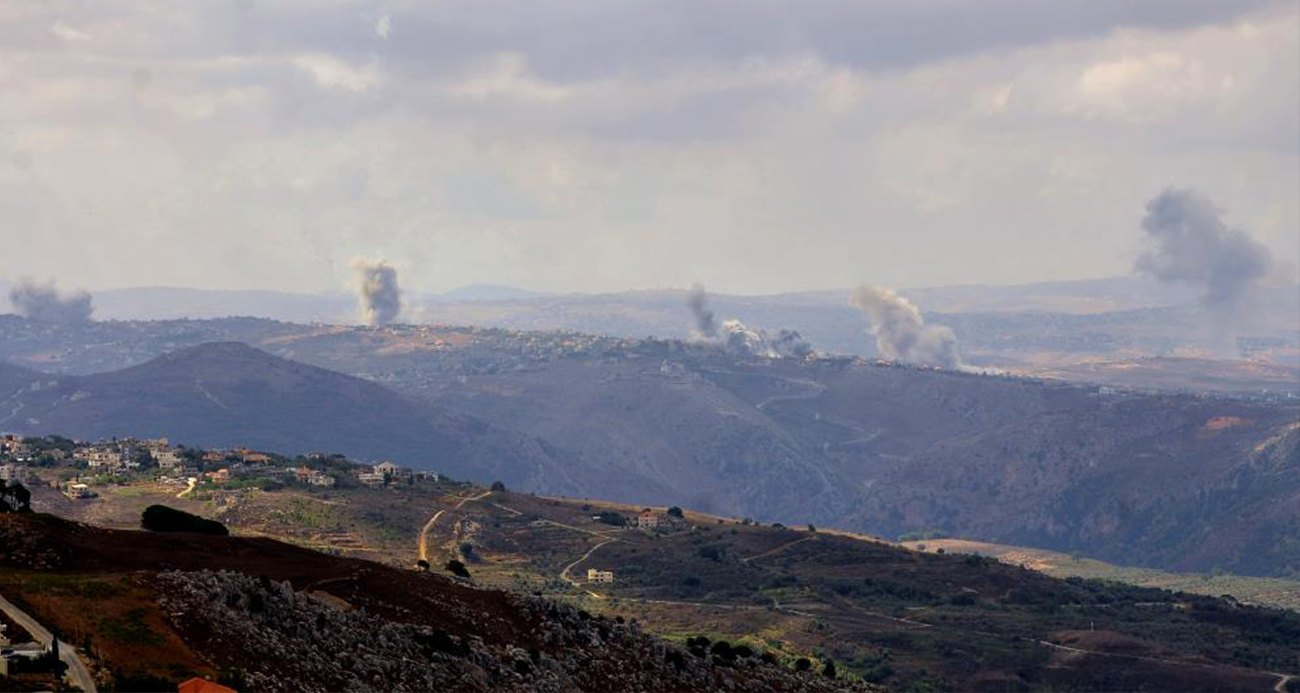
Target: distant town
77,468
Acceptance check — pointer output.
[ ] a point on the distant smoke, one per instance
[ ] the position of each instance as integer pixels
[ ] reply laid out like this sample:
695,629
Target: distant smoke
1192,246
378,297
697,301
737,338
43,302
901,333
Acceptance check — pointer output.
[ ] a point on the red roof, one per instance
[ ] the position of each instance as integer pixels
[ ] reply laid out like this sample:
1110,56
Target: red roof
198,685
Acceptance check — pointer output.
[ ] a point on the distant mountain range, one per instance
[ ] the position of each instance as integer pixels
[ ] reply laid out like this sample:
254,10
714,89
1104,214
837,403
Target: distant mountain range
1171,481
228,394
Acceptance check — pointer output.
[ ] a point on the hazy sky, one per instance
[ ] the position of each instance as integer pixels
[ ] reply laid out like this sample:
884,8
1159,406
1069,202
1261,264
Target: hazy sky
751,145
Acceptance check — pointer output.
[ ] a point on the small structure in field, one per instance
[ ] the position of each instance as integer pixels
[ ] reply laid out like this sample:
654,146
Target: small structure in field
600,576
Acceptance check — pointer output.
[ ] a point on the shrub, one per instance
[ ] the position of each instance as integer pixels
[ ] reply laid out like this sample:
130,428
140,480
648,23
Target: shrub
675,511
457,568
160,518
498,486
829,670
610,517
802,664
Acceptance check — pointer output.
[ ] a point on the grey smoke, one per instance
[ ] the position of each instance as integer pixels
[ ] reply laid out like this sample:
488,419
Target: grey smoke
378,296
738,338
697,300
1191,245
44,302
901,333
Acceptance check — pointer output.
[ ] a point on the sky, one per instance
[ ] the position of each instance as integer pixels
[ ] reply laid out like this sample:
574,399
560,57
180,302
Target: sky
754,146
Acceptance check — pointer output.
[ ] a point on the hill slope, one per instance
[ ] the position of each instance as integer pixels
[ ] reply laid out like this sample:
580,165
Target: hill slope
229,394
167,607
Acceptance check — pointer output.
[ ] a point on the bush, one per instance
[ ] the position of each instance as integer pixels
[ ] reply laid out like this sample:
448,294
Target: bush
829,670
498,486
160,518
610,517
457,568
802,664
674,511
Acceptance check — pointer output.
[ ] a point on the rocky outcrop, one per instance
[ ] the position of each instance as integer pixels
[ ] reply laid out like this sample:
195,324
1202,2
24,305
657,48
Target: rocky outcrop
287,640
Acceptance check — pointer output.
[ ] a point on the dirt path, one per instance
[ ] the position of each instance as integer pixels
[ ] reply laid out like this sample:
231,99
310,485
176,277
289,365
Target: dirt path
188,489
1282,680
77,672
778,549
815,390
564,574
424,531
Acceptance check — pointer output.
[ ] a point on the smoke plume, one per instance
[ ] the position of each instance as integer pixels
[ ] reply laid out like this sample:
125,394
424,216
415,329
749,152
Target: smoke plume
705,326
378,297
901,333
1191,245
45,303
737,338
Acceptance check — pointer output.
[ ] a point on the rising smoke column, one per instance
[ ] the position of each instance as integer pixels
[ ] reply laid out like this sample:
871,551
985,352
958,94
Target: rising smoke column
378,297
738,338
901,333
698,301
1191,245
43,302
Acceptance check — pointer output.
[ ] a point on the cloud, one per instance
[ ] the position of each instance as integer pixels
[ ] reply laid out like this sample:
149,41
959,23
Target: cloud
570,146
330,72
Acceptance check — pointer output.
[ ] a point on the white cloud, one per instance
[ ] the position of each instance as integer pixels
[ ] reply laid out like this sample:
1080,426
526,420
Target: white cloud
330,72
572,147
68,33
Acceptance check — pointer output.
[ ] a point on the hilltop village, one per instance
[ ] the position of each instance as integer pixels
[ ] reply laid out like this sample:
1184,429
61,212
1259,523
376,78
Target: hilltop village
78,468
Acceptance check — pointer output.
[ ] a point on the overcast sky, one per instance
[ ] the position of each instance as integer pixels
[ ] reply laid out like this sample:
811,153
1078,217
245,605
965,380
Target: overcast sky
751,145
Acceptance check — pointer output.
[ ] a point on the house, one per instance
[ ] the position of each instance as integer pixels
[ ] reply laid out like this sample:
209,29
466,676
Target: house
648,519
371,478
79,492
600,576
214,456
167,459
429,476
320,479
12,473
220,476
303,473
386,468
96,457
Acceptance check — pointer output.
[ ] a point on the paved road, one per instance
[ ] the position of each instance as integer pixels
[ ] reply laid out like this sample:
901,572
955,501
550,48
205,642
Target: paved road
424,531
77,672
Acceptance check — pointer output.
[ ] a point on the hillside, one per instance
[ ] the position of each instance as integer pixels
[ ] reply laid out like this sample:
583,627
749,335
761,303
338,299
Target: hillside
840,442
229,394
1178,482
151,610
898,617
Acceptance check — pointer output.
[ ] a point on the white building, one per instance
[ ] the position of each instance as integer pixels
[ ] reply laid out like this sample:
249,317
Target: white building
167,459
11,473
599,576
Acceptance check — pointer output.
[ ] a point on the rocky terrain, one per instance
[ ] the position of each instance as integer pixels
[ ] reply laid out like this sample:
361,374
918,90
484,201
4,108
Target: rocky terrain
294,642
161,608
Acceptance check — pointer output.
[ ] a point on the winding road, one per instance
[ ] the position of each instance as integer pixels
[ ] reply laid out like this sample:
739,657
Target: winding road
188,489
77,671
424,531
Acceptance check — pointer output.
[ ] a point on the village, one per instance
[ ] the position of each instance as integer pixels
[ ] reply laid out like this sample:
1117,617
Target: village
78,468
